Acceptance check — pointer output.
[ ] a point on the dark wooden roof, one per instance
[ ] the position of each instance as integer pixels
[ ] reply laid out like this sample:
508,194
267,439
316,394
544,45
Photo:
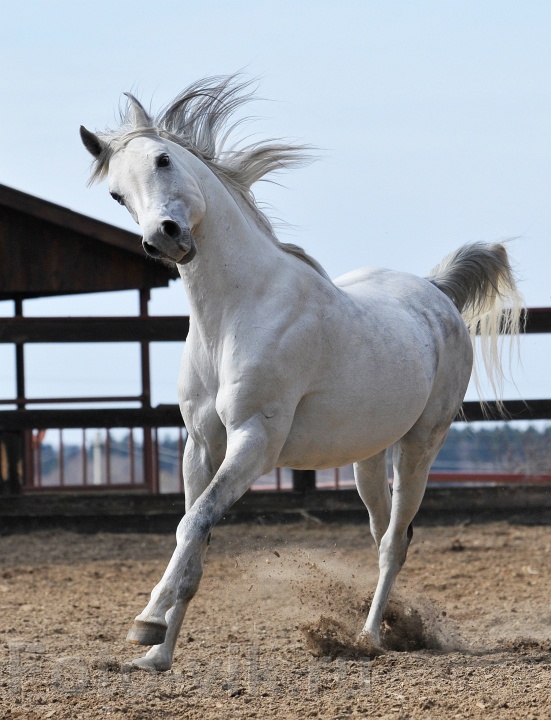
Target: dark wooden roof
46,249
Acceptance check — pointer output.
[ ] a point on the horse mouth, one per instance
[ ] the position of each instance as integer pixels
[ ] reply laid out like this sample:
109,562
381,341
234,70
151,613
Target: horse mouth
182,255
188,256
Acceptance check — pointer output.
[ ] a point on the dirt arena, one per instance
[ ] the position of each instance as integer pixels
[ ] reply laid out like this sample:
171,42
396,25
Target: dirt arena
271,632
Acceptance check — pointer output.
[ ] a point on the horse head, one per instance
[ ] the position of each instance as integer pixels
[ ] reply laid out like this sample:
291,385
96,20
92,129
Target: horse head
152,177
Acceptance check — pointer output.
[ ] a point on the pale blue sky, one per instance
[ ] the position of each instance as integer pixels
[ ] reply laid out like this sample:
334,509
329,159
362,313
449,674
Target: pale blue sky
434,120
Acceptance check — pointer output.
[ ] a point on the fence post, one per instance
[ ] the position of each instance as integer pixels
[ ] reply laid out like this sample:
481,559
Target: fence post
151,479
304,480
11,462
27,474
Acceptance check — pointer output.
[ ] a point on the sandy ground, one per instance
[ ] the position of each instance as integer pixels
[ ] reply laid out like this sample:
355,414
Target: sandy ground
472,608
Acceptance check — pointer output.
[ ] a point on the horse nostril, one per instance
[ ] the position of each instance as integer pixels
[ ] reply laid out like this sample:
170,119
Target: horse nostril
151,250
170,228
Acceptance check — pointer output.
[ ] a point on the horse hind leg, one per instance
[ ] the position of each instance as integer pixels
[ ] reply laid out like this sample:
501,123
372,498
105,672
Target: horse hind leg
413,457
372,483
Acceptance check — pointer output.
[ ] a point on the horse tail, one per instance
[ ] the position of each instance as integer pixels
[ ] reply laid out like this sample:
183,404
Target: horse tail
479,280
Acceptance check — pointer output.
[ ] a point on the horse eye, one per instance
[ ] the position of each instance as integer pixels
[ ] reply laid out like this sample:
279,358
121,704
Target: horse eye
117,197
163,161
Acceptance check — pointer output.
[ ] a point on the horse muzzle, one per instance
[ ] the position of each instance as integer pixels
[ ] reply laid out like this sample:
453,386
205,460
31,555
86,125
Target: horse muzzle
172,242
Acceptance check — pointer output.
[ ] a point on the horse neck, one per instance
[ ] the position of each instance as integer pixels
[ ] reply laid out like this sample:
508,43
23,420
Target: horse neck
235,256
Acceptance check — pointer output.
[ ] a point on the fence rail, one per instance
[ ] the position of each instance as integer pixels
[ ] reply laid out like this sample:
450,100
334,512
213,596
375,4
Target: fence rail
22,330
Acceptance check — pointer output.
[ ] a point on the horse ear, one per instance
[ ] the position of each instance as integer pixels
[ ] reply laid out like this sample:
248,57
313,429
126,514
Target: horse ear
91,142
138,114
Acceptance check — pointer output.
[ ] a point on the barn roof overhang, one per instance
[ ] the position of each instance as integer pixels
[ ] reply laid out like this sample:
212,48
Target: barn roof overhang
47,249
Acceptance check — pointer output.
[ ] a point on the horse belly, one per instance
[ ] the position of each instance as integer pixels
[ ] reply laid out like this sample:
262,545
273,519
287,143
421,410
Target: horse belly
331,431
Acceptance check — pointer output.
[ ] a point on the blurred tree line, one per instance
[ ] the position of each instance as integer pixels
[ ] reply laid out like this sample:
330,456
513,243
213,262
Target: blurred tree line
496,449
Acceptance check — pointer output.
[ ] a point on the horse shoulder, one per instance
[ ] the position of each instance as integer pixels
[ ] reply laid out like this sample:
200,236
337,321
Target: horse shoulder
262,385
267,361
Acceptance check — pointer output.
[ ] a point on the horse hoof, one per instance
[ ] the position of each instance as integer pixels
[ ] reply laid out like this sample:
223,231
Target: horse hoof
146,633
369,644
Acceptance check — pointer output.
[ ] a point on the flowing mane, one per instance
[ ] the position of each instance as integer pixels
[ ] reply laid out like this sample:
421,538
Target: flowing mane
199,120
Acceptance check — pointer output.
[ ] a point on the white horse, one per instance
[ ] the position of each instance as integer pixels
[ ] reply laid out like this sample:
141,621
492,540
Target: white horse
282,366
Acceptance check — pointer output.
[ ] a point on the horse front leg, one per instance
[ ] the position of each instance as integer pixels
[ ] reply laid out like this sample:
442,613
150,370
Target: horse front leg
198,473
160,657
252,450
